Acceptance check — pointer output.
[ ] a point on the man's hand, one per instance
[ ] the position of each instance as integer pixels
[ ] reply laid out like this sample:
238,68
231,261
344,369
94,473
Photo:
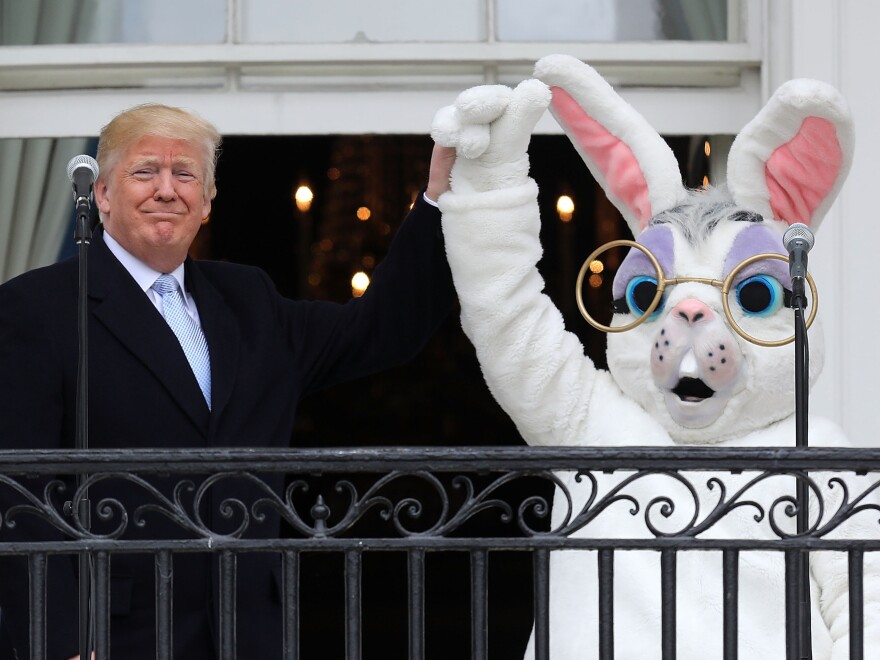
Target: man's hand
491,126
442,160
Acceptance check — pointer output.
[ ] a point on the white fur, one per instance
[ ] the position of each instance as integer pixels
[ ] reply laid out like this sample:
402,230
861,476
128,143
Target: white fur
538,373
591,91
776,124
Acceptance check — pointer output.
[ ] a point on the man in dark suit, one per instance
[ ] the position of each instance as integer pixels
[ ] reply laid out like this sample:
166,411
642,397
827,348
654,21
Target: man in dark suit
232,378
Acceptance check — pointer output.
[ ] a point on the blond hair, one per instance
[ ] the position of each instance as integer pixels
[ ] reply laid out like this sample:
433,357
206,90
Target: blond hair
162,121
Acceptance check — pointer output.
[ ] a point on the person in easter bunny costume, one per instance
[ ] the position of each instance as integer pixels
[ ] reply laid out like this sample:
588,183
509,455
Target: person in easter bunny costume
683,376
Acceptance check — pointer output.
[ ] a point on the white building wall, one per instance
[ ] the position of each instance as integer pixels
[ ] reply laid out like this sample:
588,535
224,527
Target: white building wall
837,41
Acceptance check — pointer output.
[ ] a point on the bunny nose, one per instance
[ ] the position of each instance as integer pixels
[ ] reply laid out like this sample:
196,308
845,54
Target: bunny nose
692,311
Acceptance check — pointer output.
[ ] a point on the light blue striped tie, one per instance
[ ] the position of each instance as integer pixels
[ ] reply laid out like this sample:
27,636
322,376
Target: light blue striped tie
188,332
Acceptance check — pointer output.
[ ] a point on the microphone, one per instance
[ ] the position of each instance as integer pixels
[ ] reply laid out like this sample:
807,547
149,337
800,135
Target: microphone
82,172
798,239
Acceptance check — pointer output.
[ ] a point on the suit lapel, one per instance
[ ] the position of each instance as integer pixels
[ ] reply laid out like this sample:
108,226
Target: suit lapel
121,306
222,334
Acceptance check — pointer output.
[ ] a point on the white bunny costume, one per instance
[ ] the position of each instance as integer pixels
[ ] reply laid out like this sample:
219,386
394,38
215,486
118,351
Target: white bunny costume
682,377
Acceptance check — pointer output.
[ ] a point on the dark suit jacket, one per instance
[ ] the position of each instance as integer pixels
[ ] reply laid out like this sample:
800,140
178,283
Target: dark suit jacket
266,353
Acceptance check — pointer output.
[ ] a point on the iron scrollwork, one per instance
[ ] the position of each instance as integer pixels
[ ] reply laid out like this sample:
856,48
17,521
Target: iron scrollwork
423,504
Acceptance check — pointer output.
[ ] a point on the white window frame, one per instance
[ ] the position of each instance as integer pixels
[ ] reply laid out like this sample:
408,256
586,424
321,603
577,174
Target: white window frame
354,88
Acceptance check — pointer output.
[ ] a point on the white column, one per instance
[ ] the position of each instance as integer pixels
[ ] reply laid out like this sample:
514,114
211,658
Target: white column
836,41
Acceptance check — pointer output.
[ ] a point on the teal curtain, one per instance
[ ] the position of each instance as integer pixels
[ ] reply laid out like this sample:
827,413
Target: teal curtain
694,20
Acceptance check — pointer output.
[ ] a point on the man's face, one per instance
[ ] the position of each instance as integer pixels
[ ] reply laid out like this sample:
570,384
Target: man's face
153,200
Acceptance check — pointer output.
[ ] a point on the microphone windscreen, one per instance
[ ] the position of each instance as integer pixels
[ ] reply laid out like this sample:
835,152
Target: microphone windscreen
82,161
795,231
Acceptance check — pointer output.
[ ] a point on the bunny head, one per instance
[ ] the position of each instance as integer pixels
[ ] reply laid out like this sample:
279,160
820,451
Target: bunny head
686,365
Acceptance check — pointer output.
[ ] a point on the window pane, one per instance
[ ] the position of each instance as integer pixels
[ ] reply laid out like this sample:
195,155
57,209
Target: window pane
610,20
26,22
344,21
170,21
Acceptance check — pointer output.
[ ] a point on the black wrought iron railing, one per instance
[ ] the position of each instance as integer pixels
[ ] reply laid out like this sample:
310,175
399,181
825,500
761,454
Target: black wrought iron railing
480,505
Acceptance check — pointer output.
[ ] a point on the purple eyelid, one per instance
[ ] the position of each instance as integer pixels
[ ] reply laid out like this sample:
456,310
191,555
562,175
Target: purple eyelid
660,242
756,240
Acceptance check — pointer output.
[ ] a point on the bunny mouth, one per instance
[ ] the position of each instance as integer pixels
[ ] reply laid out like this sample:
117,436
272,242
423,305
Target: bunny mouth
692,390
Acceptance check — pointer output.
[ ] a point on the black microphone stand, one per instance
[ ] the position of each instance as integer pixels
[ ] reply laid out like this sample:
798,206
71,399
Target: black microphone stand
83,238
801,398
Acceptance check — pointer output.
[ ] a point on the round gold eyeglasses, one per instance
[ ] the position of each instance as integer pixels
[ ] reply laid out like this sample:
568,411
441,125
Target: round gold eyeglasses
726,285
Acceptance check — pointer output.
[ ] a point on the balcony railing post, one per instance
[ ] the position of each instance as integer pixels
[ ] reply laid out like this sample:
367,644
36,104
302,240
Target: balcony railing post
541,563
227,605
353,615
730,568
479,598
416,603
37,605
792,603
606,604
668,578
102,604
164,605
290,573
856,605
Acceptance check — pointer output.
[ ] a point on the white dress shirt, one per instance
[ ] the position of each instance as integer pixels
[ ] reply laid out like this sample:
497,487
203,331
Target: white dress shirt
145,276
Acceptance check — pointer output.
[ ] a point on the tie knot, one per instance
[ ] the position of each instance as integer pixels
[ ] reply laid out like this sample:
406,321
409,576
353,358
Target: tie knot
165,284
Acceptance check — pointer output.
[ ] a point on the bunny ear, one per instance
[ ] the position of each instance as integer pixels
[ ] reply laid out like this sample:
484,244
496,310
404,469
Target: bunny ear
791,160
628,158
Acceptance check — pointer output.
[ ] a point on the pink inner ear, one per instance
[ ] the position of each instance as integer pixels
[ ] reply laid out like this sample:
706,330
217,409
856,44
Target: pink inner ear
801,173
611,155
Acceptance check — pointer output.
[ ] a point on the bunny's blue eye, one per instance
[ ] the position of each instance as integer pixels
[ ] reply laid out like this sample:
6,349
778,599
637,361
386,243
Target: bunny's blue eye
640,291
760,295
